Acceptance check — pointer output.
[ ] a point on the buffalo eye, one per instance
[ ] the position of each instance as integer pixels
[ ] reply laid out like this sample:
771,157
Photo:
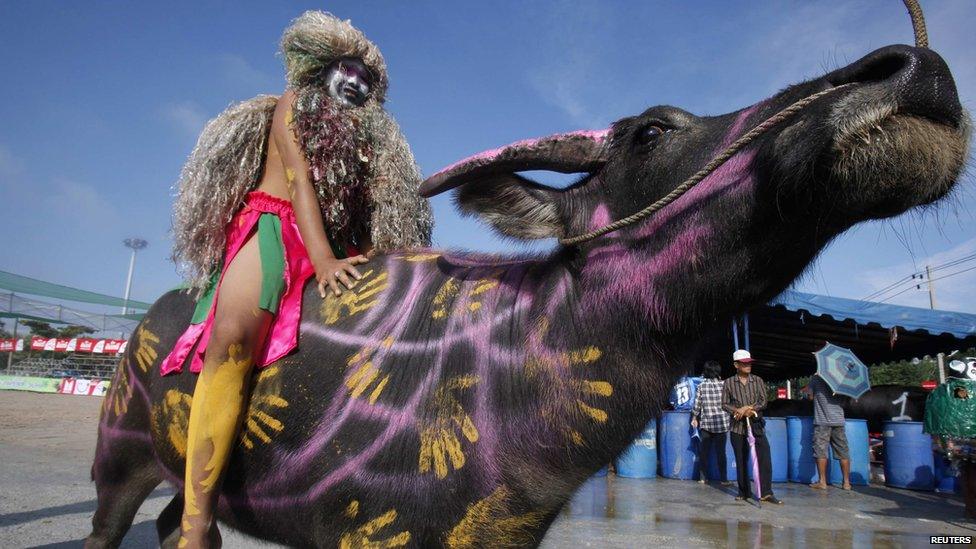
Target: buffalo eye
650,133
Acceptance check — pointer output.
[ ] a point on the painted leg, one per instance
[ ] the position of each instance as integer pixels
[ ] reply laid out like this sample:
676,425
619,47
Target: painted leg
822,472
218,404
221,394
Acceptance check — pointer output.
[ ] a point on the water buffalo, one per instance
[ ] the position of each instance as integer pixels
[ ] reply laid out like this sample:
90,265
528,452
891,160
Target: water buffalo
459,400
882,403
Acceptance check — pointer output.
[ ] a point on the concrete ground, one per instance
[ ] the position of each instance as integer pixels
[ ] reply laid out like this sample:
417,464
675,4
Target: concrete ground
46,500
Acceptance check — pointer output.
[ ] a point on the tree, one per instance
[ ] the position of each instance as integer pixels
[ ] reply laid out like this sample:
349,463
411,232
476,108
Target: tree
39,328
71,331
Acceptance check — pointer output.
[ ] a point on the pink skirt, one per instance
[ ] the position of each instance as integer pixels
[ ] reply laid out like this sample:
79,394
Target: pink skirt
283,333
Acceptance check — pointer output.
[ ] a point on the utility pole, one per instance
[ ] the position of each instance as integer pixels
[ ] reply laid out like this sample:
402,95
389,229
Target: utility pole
928,276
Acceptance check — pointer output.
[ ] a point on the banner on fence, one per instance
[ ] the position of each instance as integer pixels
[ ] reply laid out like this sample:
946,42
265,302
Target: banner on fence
74,345
9,345
24,383
81,386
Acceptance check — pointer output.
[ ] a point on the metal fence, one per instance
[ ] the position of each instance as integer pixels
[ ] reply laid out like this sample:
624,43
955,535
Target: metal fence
73,365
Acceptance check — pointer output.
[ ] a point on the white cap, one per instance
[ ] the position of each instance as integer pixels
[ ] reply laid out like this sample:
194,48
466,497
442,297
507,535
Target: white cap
742,355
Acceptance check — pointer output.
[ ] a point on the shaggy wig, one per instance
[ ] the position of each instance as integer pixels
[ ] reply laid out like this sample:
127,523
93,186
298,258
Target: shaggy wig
316,39
224,166
228,160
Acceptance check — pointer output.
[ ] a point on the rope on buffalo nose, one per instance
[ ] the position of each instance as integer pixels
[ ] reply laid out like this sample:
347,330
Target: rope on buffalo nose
921,41
681,189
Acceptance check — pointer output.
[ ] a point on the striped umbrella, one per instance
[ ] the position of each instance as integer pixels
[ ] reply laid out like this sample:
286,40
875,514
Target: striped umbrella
844,372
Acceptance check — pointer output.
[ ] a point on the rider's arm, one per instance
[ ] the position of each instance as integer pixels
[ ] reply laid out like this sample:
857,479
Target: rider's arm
307,213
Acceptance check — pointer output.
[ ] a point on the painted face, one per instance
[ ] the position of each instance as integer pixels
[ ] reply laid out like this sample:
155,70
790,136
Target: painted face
349,82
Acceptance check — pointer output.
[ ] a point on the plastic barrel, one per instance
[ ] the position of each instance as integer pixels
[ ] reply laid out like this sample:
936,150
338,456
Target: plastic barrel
857,445
946,476
909,462
799,439
677,450
639,460
776,435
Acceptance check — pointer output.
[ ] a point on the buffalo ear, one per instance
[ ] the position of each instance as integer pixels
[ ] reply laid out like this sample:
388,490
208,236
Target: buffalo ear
513,205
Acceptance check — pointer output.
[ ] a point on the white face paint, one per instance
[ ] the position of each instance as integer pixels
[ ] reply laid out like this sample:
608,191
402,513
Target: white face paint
348,82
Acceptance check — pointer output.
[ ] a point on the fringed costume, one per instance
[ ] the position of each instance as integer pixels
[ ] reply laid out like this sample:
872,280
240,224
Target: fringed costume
361,167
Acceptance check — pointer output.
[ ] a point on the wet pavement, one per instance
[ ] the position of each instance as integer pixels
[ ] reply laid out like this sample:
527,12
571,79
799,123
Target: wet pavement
621,512
47,500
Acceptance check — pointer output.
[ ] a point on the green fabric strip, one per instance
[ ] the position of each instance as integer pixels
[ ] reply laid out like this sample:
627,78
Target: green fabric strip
203,306
272,262
272,251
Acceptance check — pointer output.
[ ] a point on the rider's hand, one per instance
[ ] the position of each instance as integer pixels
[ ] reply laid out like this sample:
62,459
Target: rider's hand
332,271
694,422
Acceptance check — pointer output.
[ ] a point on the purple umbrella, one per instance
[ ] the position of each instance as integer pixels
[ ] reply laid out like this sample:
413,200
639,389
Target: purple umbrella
754,457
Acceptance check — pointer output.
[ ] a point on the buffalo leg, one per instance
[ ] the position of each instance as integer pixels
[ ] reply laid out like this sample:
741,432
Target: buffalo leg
121,490
168,523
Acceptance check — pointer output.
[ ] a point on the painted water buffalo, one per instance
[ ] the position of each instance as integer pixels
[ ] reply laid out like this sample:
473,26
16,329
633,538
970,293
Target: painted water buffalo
459,400
882,403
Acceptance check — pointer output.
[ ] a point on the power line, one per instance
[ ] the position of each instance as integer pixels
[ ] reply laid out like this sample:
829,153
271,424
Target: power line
917,275
932,280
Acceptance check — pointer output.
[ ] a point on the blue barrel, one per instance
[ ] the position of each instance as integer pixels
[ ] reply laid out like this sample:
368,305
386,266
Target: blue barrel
776,434
677,451
730,469
909,462
639,460
946,476
859,448
799,440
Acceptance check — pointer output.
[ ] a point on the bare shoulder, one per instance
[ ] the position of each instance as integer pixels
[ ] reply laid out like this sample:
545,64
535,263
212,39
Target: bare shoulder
285,101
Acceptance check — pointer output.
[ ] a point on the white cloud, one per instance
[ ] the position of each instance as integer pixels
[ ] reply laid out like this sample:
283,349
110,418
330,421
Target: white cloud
186,116
74,205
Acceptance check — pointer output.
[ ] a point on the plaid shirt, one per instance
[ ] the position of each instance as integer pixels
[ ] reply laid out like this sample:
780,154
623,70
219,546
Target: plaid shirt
708,407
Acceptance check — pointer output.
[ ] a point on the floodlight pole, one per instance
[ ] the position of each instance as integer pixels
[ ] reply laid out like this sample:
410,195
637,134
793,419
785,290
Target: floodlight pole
135,244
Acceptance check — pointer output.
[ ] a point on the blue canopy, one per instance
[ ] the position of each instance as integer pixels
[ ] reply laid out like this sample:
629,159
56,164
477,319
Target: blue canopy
960,325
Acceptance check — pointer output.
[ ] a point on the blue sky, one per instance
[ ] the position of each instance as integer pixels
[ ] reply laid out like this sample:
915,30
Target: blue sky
102,101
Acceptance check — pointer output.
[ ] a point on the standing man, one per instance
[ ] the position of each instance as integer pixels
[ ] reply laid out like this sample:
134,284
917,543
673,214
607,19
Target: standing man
828,425
744,395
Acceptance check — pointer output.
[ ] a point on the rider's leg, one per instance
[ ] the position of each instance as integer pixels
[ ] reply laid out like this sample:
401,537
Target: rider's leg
220,396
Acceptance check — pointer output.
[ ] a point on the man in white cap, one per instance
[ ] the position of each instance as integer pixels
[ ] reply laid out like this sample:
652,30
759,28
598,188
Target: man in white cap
744,395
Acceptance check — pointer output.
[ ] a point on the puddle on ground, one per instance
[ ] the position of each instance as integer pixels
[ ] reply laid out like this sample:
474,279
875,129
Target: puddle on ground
609,512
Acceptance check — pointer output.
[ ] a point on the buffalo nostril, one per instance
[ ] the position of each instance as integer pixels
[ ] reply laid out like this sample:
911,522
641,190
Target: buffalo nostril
876,69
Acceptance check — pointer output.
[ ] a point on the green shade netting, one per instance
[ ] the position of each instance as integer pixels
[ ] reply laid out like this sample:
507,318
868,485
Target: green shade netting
32,286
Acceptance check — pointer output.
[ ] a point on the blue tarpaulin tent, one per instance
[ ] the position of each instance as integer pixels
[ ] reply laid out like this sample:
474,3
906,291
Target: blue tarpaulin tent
784,334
